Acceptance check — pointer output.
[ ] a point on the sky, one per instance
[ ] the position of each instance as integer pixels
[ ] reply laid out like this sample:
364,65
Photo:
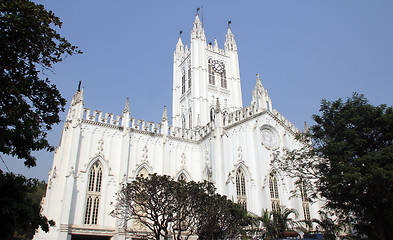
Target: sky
304,51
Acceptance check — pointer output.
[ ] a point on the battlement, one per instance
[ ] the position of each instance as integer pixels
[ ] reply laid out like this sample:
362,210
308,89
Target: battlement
145,127
215,49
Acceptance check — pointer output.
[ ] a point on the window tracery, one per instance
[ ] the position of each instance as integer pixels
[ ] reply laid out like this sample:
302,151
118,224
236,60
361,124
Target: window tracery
241,188
274,193
224,79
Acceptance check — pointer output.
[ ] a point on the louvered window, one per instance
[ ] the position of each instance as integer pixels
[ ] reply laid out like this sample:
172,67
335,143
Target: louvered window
211,72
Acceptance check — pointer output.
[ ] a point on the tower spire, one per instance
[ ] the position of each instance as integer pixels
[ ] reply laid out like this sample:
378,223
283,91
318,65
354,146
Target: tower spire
197,29
230,43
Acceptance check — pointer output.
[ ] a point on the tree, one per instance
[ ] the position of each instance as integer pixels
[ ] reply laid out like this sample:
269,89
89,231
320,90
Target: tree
29,105
182,208
351,157
275,223
331,226
150,202
219,218
20,209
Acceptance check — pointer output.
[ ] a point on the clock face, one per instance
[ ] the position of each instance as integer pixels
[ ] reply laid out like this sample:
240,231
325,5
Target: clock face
218,66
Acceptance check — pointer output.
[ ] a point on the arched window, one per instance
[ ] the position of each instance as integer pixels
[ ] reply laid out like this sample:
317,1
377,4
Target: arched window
212,114
183,122
305,202
183,83
143,173
93,195
190,120
274,193
182,177
241,188
224,79
211,72
189,76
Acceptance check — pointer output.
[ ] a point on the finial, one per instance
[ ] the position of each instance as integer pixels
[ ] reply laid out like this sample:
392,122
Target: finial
79,85
258,76
218,108
229,23
197,11
164,115
127,107
180,32
306,129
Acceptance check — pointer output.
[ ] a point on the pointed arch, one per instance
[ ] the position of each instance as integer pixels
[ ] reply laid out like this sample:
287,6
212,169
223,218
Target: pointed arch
142,173
183,174
212,114
140,168
102,160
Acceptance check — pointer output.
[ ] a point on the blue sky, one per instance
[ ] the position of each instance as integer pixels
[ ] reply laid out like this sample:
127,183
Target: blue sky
304,50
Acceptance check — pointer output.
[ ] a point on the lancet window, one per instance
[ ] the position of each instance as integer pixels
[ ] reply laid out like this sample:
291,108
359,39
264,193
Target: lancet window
183,83
189,76
183,122
211,72
212,114
143,173
274,193
190,120
93,195
241,188
224,79
305,202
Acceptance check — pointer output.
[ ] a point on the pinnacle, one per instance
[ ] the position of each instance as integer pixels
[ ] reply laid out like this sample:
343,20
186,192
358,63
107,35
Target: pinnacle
179,42
164,115
127,106
197,20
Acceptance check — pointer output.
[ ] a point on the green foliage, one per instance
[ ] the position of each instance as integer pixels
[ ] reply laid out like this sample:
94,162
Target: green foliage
29,105
20,209
331,226
357,138
275,223
186,208
351,159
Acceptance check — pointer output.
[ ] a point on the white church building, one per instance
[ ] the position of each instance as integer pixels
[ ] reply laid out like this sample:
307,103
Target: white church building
212,137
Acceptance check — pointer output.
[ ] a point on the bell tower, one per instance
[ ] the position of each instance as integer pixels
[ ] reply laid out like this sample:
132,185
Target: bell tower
203,74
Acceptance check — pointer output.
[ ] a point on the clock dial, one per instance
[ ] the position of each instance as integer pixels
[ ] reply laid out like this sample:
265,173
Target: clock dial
218,67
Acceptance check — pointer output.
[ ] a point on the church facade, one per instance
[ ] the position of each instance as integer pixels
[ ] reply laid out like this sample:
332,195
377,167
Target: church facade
212,137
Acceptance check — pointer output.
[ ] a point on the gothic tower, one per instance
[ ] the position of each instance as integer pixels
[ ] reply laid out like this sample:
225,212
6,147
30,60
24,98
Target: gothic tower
203,74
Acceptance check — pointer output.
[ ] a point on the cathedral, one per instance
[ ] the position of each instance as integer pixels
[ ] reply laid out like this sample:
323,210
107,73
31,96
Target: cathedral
212,137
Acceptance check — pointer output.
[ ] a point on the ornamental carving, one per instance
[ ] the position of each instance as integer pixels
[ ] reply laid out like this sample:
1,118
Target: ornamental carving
269,137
